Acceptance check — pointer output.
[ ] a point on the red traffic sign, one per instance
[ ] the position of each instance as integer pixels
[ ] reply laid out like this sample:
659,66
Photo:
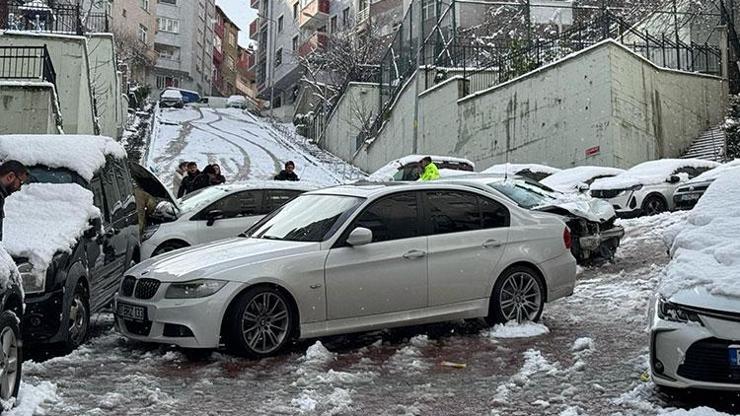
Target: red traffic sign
593,151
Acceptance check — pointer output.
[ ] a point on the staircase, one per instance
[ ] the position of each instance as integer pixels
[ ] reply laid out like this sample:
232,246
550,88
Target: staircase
709,146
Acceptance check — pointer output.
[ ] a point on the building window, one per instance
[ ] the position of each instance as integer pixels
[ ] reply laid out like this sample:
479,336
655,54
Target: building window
428,9
142,33
295,11
295,43
123,12
230,63
172,2
166,82
217,43
168,25
333,24
278,57
232,39
345,17
280,24
144,4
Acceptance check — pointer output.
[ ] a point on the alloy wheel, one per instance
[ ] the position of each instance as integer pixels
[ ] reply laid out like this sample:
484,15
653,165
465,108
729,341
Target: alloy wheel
654,206
8,362
520,298
77,320
265,323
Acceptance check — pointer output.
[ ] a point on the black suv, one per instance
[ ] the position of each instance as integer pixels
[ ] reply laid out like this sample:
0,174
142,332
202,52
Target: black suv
83,281
11,310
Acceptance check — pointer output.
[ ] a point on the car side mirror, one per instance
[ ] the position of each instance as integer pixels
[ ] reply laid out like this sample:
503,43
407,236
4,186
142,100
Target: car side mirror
583,187
673,179
213,215
94,230
359,237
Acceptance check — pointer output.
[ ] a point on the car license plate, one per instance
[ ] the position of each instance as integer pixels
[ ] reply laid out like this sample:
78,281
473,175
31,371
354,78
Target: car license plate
734,351
126,311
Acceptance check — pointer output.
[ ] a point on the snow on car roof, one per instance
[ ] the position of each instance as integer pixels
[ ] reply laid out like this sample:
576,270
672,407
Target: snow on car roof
713,174
236,98
83,154
705,250
386,172
42,219
567,180
650,173
512,168
171,94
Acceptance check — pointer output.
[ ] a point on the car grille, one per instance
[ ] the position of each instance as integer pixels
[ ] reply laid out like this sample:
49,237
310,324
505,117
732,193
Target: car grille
127,287
146,288
708,360
138,328
605,193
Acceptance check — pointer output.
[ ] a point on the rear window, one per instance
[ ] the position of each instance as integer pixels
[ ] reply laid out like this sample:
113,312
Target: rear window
45,174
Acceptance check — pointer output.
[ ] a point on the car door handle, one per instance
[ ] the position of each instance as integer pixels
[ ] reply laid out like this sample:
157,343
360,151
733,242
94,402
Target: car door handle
414,254
492,243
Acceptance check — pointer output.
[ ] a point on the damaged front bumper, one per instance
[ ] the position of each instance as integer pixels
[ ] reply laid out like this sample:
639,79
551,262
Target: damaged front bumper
601,244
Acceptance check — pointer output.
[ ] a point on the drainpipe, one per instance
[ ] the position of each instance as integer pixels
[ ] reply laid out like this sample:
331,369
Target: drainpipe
419,50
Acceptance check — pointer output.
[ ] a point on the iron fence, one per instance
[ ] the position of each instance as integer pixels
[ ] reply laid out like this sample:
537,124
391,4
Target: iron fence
26,63
59,18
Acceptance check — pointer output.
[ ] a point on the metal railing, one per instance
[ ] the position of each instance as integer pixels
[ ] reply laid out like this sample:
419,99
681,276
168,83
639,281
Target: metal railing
26,63
59,18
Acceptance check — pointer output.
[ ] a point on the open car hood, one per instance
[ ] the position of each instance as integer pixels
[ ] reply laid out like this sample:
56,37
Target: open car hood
592,209
146,180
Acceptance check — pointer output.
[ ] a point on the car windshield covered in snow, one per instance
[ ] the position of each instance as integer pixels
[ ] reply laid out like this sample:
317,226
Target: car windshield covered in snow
521,192
45,174
314,217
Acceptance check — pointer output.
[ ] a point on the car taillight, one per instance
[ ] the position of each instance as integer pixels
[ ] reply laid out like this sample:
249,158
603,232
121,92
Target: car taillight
567,238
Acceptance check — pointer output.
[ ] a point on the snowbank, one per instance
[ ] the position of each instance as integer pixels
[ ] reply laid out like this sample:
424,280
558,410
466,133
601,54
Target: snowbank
43,219
515,330
31,397
514,168
568,180
716,172
81,153
650,173
706,250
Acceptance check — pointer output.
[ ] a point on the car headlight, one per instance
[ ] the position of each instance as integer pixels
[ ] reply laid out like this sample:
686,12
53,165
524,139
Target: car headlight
33,280
194,289
635,188
149,232
671,312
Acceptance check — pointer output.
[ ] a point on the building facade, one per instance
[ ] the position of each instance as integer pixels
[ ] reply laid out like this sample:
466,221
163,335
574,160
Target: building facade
245,79
134,24
184,43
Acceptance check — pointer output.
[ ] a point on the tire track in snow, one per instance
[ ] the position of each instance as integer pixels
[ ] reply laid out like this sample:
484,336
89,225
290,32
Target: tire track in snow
245,169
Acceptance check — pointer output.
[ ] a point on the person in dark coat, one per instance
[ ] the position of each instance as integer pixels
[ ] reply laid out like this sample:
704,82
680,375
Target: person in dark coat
12,176
287,174
204,179
187,182
217,178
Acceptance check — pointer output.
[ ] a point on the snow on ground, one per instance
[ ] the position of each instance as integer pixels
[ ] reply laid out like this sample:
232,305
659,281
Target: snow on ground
516,330
244,145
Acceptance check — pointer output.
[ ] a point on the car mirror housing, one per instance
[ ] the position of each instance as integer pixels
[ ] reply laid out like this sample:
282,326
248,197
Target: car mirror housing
94,230
213,215
673,179
359,237
583,187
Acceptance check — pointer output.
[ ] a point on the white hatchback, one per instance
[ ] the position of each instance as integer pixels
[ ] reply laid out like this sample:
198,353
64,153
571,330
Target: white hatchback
217,212
349,259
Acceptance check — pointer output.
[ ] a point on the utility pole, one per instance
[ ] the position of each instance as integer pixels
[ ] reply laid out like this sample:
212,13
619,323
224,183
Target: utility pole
528,17
675,24
417,70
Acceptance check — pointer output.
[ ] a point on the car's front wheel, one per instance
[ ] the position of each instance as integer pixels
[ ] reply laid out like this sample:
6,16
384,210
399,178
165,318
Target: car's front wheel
518,295
10,356
654,205
261,323
78,317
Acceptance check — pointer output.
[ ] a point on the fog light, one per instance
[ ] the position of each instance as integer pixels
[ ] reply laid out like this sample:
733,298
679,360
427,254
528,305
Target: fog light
633,202
658,367
177,331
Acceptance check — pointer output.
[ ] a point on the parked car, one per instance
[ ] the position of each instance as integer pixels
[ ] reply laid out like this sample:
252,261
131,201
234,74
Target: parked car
596,237
215,213
236,101
647,189
188,96
688,194
408,169
579,178
171,98
353,258
11,314
529,170
72,230
693,319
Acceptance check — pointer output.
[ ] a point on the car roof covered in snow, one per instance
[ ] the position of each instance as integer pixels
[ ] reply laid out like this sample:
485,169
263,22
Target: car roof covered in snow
568,180
716,172
513,168
386,172
171,94
83,154
650,173
705,249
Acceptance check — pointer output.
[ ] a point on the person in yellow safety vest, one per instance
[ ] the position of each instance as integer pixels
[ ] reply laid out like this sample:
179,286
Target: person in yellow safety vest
429,170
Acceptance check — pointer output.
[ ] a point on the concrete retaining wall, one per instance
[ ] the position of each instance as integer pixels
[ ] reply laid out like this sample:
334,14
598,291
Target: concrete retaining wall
358,101
105,83
27,107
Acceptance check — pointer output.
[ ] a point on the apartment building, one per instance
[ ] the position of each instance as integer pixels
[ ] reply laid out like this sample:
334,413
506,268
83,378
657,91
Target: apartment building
225,54
184,42
245,80
134,24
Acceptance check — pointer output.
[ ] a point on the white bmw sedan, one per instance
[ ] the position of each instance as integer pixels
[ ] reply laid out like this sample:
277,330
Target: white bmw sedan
349,259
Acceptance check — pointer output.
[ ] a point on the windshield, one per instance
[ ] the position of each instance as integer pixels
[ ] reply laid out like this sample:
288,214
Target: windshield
201,198
521,192
314,217
44,174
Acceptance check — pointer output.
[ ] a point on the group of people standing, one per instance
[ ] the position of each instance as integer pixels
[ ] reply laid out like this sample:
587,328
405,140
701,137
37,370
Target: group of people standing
189,179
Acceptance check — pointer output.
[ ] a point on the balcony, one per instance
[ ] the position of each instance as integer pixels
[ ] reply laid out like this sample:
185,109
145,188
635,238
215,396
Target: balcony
317,41
254,29
218,56
218,29
363,15
314,15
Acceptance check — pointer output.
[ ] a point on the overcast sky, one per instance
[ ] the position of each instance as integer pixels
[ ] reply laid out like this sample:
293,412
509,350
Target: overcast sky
240,13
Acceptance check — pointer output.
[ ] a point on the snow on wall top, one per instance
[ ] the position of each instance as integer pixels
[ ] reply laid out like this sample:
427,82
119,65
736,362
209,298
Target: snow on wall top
514,168
83,154
716,172
568,180
705,250
386,172
43,219
650,173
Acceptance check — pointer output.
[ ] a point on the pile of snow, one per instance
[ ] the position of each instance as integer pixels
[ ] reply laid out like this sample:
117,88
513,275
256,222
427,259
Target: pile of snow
81,153
716,172
8,270
569,180
706,251
513,329
698,411
386,172
318,354
43,219
515,168
30,398
650,173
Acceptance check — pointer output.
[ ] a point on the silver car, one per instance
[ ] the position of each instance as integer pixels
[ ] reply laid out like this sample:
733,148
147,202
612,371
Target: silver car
353,258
